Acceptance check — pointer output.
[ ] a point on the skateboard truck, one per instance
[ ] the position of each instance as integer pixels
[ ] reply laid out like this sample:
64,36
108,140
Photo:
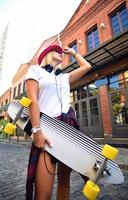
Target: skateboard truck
23,116
10,128
91,189
106,171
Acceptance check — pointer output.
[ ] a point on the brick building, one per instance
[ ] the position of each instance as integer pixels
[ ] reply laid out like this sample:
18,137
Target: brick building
4,101
98,30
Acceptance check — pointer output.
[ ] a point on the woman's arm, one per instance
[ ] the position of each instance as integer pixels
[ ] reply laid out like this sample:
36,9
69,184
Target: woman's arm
32,92
82,70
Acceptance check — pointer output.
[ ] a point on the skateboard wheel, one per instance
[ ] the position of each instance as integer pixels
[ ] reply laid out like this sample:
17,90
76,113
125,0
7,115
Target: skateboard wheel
91,190
10,128
109,152
25,102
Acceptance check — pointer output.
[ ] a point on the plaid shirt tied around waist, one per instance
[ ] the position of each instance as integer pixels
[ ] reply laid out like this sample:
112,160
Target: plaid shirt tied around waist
68,118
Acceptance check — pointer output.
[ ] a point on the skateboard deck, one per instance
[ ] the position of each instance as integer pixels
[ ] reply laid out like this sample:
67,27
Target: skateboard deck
70,146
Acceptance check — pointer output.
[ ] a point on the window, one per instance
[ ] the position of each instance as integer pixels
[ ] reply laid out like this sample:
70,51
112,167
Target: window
74,46
14,93
119,20
19,89
23,86
84,92
118,90
6,101
92,39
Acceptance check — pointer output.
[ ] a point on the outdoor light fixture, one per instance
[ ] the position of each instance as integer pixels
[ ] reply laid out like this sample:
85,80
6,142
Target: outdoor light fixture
87,2
102,26
96,75
79,42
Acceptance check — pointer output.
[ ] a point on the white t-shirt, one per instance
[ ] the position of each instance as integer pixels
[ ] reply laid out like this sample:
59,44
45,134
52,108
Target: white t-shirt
54,91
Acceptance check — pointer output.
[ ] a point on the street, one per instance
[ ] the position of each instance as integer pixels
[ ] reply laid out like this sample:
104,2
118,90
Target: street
13,167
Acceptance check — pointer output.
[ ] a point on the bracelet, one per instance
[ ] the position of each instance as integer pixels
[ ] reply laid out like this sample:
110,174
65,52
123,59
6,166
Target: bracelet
74,54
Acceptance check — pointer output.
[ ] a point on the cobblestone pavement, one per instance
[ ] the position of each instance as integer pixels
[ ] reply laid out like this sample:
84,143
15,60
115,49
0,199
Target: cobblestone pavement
13,167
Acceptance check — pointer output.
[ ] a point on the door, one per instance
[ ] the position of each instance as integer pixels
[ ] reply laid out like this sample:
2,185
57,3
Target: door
88,114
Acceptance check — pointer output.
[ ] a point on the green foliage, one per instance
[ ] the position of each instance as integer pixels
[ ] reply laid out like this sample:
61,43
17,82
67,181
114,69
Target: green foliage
116,97
95,92
3,123
116,109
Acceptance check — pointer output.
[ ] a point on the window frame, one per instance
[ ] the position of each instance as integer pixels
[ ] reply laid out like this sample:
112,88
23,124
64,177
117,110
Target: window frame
71,58
117,13
19,89
14,92
93,41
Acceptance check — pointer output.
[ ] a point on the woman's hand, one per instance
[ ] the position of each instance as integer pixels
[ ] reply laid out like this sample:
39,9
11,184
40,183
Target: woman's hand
40,139
84,66
69,51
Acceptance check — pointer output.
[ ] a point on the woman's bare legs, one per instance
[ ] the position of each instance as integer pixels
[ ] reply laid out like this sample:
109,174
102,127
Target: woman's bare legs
63,189
44,180
63,182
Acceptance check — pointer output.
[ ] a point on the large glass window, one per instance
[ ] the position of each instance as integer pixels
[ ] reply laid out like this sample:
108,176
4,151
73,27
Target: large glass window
119,107
74,46
117,81
84,92
119,20
93,39
113,82
76,107
84,114
92,90
94,112
118,88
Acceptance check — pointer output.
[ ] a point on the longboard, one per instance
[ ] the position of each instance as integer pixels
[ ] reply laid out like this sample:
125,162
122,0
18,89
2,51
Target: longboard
70,146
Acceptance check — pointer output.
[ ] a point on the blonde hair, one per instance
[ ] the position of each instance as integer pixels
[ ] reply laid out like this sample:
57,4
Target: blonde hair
48,58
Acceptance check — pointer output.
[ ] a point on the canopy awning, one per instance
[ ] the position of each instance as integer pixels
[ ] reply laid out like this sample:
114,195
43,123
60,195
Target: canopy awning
109,52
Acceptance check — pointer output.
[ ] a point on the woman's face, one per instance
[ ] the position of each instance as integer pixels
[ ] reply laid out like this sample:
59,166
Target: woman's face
57,57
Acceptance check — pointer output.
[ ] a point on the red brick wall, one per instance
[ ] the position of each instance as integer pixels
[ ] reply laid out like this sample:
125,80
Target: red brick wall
5,97
105,109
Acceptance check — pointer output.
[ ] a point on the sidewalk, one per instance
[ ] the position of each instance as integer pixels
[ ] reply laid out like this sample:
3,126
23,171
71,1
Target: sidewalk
121,160
14,161
18,142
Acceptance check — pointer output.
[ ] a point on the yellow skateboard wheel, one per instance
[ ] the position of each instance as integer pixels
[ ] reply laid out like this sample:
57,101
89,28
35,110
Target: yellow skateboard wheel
109,152
25,102
10,129
91,190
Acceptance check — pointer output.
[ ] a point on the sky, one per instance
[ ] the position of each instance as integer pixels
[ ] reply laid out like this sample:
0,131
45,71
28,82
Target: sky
30,23
40,11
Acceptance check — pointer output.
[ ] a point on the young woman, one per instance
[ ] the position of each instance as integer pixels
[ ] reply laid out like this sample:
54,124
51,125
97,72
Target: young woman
49,91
